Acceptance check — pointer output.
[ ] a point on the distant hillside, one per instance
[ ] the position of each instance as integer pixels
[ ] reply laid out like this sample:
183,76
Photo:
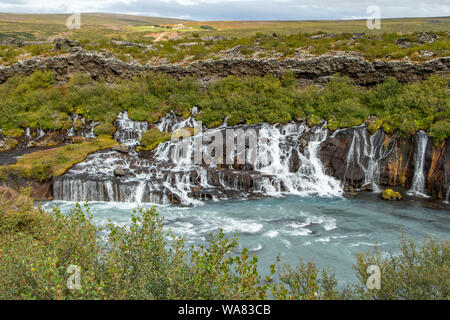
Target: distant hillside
88,18
98,26
42,26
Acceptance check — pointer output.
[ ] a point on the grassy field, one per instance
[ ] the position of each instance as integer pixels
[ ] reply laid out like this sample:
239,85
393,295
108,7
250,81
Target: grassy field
43,26
247,28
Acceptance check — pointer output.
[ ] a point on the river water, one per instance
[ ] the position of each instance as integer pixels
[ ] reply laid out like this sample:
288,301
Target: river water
328,231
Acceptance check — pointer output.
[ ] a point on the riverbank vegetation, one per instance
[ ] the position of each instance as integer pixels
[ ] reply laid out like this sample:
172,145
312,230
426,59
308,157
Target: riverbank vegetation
46,164
37,101
143,261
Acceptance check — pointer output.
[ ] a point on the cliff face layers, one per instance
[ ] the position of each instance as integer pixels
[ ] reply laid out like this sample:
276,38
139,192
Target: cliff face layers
312,70
366,161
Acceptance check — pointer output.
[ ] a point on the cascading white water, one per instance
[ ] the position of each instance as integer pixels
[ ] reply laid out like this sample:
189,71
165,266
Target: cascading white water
41,133
367,151
88,130
274,160
164,179
418,183
28,133
129,132
447,196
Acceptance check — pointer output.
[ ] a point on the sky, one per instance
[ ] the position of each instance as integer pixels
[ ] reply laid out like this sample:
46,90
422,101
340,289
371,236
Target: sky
237,9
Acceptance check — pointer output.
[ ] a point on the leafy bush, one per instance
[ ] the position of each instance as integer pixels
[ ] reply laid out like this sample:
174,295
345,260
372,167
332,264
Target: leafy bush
151,138
34,102
41,171
105,129
138,262
440,130
417,273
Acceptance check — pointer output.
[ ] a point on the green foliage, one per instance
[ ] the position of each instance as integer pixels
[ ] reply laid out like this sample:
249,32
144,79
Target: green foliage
45,164
143,261
307,282
389,194
249,100
137,262
15,132
410,107
105,129
151,138
440,130
41,171
416,273
34,102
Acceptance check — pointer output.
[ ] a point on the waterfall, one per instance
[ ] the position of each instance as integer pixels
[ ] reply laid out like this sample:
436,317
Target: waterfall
274,161
418,183
287,162
367,151
447,196
28,133
41,133
88,130
129,132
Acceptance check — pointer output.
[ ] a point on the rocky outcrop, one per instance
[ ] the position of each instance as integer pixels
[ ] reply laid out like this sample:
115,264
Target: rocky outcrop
40,191
310,70
387,159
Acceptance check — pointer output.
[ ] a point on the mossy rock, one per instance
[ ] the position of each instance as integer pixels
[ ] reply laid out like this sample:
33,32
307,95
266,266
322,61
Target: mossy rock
390,194
15,133
373,125
153,137
105,129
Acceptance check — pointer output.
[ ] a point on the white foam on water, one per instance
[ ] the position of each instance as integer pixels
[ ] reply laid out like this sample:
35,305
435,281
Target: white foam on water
323,240
286,243
258,247
271,234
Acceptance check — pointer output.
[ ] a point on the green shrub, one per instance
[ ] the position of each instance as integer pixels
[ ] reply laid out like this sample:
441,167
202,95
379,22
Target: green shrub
151,138
416,273
440,131
15,132
105,129
138,262
34,102
41,171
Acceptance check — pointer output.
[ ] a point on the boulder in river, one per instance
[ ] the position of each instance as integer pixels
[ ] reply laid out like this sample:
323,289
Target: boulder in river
121,148
119,172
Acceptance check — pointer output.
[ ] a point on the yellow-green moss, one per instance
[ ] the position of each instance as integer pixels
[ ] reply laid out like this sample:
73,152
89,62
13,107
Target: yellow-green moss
105,129
15,133
151,138
390,194
43,165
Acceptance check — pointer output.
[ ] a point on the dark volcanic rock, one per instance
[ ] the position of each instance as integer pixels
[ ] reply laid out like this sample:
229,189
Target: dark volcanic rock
66,44
316,69
396,167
